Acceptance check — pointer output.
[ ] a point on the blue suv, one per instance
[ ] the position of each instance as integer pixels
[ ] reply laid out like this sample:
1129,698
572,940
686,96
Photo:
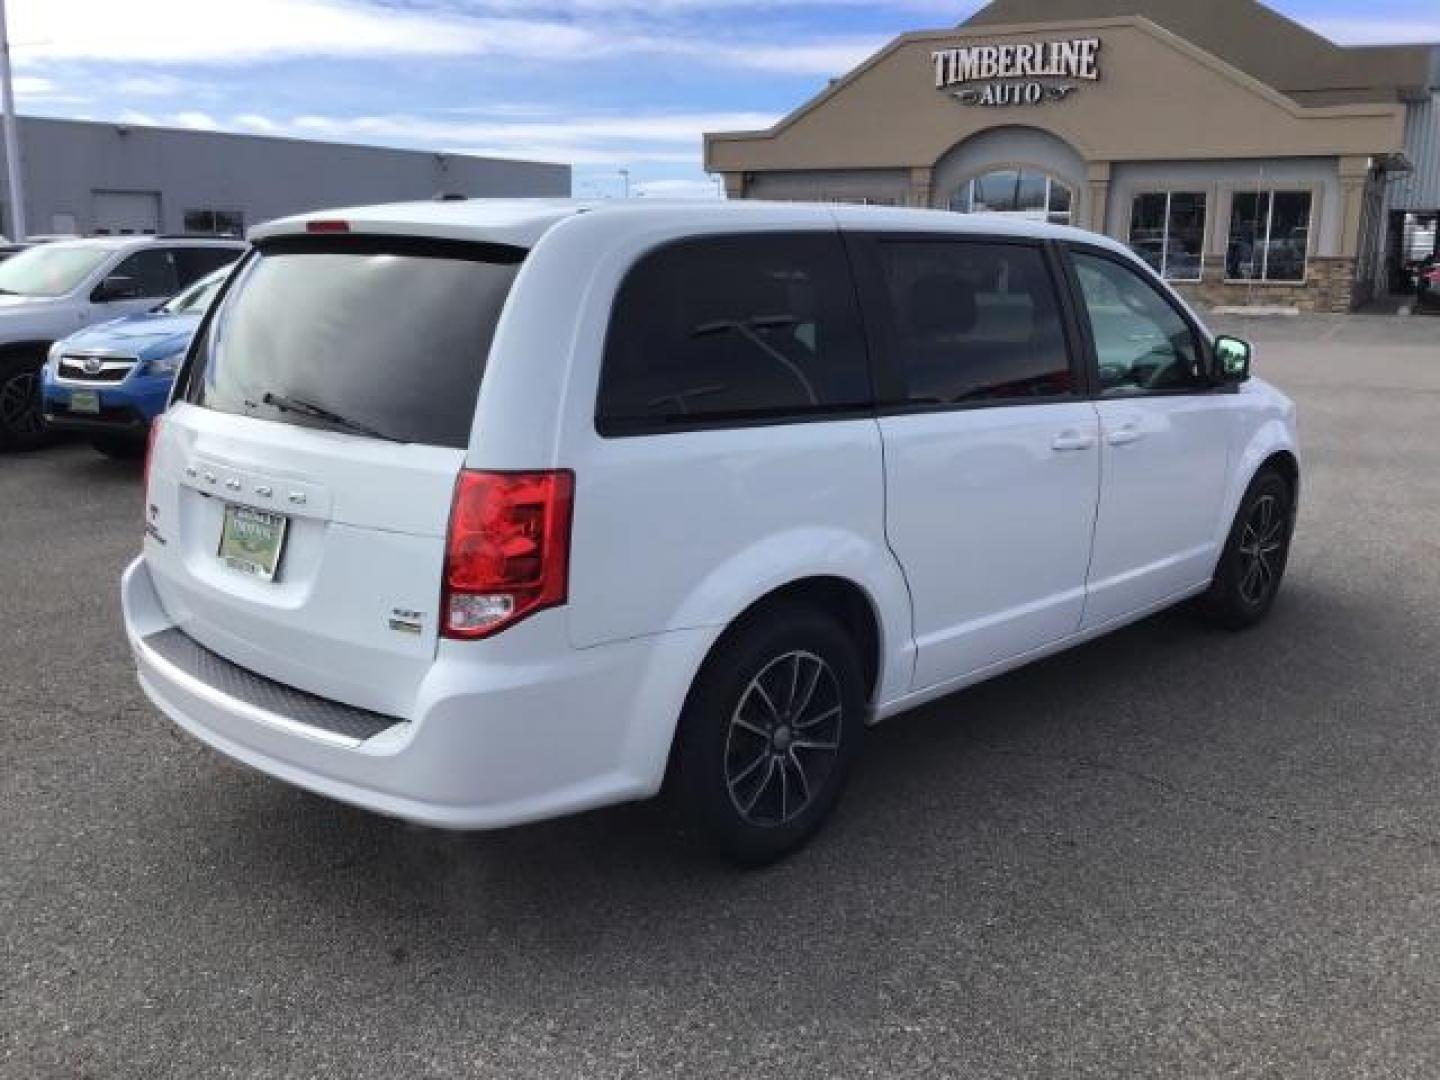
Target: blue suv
111,380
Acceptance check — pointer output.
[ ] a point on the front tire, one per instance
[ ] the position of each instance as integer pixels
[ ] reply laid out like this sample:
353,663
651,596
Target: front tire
769,733
1251,568
22,424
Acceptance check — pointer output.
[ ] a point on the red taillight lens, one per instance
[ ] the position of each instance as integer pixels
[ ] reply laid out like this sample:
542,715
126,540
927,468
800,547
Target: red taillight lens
508,552
327,226
149,458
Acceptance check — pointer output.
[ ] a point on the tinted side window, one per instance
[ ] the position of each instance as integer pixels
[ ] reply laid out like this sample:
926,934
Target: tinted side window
151,272
194,263
974,322
733,328
1141,342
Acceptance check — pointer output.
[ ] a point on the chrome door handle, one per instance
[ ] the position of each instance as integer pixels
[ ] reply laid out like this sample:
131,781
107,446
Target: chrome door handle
1070,441
1124,436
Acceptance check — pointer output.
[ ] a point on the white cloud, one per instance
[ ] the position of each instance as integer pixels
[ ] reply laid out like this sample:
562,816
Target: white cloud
262,125
834,57
947,10
216,32
197,121
39,89
148,86
140,119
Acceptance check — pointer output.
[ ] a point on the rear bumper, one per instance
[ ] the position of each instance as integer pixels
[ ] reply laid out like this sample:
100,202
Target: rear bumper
491,743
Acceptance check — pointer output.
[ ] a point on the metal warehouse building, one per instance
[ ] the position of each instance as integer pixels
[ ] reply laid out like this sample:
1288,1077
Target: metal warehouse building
85,177
1245,157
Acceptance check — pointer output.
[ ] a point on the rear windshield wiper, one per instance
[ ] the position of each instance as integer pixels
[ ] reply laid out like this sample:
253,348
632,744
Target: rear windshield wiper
317,412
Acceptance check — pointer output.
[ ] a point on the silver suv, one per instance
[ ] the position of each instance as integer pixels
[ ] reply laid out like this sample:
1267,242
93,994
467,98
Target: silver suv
50,291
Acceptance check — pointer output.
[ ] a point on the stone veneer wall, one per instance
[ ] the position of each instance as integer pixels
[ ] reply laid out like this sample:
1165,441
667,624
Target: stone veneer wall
1329,286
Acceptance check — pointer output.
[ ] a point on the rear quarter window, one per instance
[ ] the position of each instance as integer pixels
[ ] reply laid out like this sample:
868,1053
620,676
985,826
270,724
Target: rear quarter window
734,329
388,337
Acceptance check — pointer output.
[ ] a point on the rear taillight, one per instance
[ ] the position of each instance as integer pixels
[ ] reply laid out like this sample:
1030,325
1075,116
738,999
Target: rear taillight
508,551
149,460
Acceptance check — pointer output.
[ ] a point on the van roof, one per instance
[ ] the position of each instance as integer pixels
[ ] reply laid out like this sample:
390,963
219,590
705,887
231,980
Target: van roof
522,222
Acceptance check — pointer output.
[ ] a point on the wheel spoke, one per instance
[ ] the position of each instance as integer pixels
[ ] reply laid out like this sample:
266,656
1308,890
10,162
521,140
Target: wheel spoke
762,786
784,789
1252,571
765,697
797,709
812,744
800,772
749,770
828,714
753,729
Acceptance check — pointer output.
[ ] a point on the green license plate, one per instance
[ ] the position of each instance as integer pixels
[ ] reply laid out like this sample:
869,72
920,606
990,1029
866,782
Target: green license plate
86,401
250,541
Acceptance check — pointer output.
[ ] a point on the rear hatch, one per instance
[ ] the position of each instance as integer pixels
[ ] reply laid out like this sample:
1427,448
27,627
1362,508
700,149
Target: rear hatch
301,485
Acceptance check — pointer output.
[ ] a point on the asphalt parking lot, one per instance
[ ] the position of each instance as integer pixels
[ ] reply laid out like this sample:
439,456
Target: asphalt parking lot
1174,852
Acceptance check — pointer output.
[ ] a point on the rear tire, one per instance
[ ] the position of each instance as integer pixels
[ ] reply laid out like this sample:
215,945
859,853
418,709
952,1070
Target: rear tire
1252,566
22,424
768,734
119,448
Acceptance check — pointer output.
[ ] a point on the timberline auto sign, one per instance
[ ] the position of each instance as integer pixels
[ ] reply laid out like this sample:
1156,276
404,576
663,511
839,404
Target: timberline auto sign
1013,74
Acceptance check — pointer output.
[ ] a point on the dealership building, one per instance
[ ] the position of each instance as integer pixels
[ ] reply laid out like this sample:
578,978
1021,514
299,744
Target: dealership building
1248,159
86,177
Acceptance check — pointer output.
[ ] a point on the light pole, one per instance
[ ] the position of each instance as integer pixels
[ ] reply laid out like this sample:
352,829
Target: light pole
624,173
12,136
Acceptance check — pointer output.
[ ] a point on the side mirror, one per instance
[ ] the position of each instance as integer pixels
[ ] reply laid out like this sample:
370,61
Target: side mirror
117,287
1232,359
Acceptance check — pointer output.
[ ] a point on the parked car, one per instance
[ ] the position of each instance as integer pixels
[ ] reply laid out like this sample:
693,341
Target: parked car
112,380
49,291
480,513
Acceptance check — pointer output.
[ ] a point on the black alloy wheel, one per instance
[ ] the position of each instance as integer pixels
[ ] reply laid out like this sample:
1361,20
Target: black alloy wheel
769,732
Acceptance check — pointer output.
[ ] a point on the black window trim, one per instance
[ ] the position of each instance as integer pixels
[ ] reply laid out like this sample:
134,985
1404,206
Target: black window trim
888,379
180,390
1067,249
681,423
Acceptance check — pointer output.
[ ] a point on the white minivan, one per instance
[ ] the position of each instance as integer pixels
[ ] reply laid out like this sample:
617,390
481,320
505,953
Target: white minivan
477,513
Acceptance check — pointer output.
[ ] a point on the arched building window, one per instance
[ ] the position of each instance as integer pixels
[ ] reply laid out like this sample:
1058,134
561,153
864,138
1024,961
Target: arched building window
1016,192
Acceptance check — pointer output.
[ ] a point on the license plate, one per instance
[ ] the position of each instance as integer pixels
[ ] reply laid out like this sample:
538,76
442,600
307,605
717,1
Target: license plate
86,401
250,541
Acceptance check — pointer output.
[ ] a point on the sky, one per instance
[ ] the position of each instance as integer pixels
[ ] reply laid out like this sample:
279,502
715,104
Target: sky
609,86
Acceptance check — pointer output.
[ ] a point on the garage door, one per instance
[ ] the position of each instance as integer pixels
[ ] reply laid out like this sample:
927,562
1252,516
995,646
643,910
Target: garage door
126,212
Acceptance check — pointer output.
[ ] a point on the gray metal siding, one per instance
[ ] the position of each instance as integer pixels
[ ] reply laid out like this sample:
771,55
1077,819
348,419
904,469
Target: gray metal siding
1420,190
66,163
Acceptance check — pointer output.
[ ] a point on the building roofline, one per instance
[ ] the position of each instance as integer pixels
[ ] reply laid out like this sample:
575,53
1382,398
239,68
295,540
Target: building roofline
965,31
292,139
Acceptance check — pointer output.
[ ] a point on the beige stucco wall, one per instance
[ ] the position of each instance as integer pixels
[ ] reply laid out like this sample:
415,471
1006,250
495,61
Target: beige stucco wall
1158,98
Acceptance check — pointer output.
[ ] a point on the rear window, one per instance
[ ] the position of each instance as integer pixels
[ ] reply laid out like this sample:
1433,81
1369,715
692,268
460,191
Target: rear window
734,329
385,339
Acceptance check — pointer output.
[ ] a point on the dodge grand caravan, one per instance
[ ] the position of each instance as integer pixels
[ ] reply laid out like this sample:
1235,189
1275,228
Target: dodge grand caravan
480,513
